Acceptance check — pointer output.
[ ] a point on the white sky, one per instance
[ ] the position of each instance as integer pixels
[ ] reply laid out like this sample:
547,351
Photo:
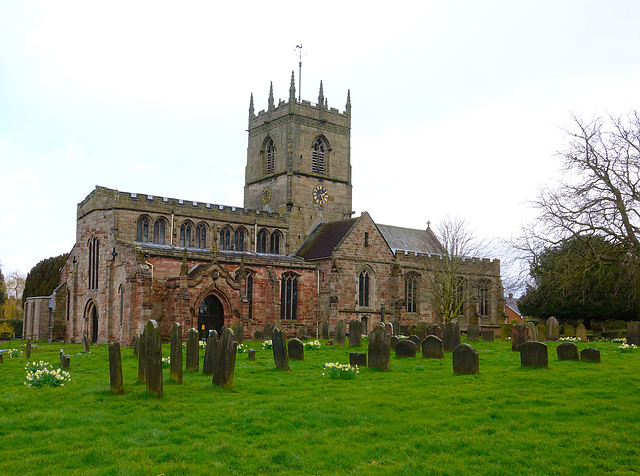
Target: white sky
457,105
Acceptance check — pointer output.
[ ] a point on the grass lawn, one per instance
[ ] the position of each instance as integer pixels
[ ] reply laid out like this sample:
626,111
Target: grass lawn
419,418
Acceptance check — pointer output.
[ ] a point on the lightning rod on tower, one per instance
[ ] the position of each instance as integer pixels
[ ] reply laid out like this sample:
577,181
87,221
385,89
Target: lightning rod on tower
299,47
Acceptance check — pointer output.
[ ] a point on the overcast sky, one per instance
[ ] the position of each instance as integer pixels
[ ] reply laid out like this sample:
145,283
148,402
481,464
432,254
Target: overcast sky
458,106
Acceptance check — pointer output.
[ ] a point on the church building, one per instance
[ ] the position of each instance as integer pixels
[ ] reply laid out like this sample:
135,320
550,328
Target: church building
294,252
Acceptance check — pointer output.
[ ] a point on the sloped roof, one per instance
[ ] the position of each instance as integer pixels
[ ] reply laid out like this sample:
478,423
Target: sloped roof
324,238
513,305
410,239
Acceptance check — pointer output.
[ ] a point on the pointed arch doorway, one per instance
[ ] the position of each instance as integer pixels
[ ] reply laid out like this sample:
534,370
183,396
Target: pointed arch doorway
91,319
210,316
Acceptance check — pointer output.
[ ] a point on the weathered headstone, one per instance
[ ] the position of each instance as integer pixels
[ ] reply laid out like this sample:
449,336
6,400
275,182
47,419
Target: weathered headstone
473,333
136,345
86,343
210,353
404,330
567,351
633,333
434,330
406,348
175,366
389,328
534,354
27,350
581,333
396,328
355,333
451,336
339,339
432,348
379,348
421,330
358,359
505,331
268,331
142,358
533,332
519,335
65,360
590,355
251,354
465,360
154,358
225,359
393,342
415,339
115,368
568,330
280,356
193,351
257,335
542,332
296,349
325,329
553,330
487,336
238,331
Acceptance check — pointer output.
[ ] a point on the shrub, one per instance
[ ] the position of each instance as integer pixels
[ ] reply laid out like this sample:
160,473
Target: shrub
6,330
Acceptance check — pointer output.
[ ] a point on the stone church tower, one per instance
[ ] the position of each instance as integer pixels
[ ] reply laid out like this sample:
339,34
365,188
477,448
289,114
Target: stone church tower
299,164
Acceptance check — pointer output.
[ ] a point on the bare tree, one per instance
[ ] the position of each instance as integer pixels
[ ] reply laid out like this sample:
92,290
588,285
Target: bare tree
15,284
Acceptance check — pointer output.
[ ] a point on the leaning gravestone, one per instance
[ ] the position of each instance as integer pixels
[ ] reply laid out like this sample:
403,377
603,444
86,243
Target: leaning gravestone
553,330
86,343
355,333
238,331
432,348
581,333
487,336
393,342
379,348
280,356
142,358
225,359
210,353
340,333
268,331
534,354
406,348
154,358
27,351
533,332
568,330
193,351
519,335
633,333
357,359
465,360
136,345
567,351
296,349
590,355
451,336
115,368
325,329
473,333
175,366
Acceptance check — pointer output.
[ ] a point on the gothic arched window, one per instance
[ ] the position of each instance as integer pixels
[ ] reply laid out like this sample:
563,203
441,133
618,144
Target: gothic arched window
275,243
317,160
411,292
261,245
364,288
159,228
142,230
239,239
289,297
201,236
250,294
185,235
225,238
483,298
270,156
94,262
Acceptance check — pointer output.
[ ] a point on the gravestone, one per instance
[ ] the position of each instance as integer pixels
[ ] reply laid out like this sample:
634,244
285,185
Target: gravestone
519,335
238,331
553,330
421,330
65,360
257,335
86,343
115,368
534,354
434,330
268,332
451,338
432,348
389,328
355,333
542,332
379,348
465,360
225,359
568,330
251,354
393,341
325,329
280,356
396,328
488,336
340,333
193,351
175,366
633,333
415,339
473,333
581,333
404,330
358,359
505,331
27,351
210,353
567,351
153,349
136,345
296,349
142,359
406,348
533,332
590,355
1,358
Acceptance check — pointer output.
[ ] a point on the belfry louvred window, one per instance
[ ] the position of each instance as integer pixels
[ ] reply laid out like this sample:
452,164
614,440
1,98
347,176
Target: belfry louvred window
317,160
270,157
142,230
261,245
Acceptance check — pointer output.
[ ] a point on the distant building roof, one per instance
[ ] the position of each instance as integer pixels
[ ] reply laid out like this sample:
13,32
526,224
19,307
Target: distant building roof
325,238
512,304
410,239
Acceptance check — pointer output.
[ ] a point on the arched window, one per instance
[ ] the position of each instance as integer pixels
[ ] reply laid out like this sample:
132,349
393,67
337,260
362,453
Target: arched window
225,238
289,297
364,289
201,236
317,160
159,228
185,235
94,262
261,245
142,230
482,298
270,156
250,294
411,292
275,243
239,239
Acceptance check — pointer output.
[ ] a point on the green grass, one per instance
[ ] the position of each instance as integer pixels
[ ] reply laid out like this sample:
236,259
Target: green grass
420,418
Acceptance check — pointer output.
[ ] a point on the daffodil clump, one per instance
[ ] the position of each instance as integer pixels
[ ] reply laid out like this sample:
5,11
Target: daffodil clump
166,362
42,373
14,353
313,345
241,349
570,339
626,348
341,371
267,344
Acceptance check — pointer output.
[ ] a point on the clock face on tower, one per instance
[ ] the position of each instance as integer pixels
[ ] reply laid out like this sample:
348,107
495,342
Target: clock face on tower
266,195
320,195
